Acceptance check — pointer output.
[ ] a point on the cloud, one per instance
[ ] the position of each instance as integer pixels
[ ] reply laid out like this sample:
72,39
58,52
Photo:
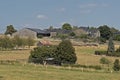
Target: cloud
40,16
85,11
90,5
104,5
61,9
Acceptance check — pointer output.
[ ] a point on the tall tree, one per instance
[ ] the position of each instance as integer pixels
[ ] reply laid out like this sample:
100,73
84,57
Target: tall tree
111,47
66,26
105,32
10,30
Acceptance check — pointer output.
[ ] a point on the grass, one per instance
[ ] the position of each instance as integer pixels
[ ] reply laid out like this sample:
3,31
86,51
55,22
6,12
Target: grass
32,72
19,55
85,55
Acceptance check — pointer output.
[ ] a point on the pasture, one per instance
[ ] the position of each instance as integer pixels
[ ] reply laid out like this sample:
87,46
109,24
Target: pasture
25,71
39,72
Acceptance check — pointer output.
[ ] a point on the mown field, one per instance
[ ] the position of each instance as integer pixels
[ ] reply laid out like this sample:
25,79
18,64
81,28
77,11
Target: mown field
25,71
32,72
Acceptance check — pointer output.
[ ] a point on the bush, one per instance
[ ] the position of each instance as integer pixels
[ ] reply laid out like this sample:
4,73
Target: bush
65,53
116,54
40,54
116,66
40,36
102,40
100,52
104,60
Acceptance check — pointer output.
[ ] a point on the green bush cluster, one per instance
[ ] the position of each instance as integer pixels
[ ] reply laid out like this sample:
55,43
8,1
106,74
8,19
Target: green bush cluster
64,53
7,43
116,54
100,52
116,66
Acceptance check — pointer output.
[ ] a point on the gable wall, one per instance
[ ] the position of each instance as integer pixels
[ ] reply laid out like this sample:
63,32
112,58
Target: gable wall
25,33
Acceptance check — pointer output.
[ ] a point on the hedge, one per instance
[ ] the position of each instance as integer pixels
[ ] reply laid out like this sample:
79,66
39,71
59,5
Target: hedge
116,54
101,52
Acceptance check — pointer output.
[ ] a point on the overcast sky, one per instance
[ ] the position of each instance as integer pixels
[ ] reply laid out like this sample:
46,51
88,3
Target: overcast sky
44,13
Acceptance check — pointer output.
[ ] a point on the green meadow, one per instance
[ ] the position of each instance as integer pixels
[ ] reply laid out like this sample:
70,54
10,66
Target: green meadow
39,72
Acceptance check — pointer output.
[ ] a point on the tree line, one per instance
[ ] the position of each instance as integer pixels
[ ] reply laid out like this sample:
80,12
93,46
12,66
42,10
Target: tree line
15,43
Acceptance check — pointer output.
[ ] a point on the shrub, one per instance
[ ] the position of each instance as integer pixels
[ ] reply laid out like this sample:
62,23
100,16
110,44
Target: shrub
40,54
40,36
116,54
104,60
100,52
102,40
116,66
65,53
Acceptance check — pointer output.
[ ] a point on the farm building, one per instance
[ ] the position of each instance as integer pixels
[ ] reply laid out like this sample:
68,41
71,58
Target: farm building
94,33
31,32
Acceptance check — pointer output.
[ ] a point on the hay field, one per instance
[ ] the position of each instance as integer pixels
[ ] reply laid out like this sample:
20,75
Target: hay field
14,55
85,55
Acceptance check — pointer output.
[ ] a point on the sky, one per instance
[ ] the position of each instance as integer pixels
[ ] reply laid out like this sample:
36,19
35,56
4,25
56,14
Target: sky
45,13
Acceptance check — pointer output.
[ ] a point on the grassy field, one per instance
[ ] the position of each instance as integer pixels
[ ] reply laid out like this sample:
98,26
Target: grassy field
14,55
32,72
25,71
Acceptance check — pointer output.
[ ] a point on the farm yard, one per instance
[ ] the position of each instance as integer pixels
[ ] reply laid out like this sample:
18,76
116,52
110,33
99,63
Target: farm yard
21,70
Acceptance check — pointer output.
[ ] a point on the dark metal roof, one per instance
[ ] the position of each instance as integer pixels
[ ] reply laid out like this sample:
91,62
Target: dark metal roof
84,28
62,31
39,31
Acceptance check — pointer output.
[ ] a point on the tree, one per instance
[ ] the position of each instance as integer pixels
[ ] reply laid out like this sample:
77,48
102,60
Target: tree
39,54
72,34
10,30
105,32
30,41
111,47
114,30
66,26
65,53
116,66
51,28
6,43
19,42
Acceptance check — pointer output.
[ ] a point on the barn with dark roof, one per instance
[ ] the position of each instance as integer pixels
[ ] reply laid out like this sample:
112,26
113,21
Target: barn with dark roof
31,32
